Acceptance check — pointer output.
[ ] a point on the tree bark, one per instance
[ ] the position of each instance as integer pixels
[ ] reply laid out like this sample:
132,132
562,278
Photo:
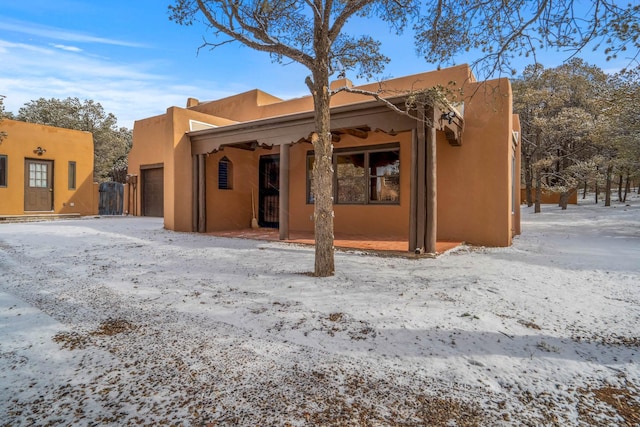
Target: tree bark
627,188
528,181
607,189
620,188
323,175
538,192
564,200
584,192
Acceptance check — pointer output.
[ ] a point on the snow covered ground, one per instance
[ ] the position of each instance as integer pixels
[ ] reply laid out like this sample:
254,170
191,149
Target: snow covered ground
116,321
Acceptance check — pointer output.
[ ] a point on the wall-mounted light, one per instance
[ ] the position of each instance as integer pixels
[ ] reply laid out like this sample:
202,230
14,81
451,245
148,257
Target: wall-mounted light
39,151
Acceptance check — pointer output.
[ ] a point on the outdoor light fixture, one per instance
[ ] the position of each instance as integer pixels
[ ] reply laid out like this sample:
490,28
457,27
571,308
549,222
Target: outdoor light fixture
39,151
448,116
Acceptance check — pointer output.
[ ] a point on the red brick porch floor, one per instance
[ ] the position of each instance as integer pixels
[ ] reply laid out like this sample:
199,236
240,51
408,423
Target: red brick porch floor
388,245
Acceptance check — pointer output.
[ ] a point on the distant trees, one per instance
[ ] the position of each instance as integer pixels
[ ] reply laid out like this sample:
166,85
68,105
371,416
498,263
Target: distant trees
578,129
111,143
3,134
618,141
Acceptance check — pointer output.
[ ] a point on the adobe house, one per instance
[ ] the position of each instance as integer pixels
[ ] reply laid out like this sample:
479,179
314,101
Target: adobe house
46,170
202,167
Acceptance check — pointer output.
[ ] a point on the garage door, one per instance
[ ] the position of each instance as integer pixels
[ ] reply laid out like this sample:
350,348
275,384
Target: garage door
153,192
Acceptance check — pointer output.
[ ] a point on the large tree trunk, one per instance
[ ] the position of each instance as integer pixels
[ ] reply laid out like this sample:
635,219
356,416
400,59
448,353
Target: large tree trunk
323,175
584,192
607,188
528,181
620,188
627,188
538,192
564,200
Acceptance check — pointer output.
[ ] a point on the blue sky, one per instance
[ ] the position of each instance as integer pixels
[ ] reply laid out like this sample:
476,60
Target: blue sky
128,56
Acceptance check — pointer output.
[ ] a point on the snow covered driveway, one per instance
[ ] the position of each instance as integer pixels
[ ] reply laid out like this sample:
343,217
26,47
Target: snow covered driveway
116,321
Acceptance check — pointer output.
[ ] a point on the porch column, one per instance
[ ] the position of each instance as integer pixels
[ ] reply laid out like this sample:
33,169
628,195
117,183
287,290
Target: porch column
194,193
283,208
418,188
202,195
432,185
413,178
423,207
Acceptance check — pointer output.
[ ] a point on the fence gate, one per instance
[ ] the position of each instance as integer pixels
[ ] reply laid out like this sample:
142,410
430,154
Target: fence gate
111,198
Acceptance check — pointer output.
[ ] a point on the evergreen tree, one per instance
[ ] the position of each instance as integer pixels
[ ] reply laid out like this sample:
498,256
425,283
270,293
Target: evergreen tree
111,143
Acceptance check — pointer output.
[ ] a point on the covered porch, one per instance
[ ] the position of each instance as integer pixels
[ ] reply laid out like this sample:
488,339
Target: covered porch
361,121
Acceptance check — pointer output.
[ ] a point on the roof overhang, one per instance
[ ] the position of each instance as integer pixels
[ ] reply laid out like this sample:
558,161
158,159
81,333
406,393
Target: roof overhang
353,119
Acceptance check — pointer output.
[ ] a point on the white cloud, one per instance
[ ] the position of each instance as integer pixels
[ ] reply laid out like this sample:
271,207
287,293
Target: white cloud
60,34
130,91
67,48
132,88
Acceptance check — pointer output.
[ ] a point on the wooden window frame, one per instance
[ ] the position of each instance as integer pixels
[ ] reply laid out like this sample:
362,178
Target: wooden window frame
38,174
366,151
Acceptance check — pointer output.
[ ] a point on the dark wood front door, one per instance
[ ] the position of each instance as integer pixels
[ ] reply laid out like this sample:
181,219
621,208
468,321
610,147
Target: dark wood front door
38,185
269,191
153,192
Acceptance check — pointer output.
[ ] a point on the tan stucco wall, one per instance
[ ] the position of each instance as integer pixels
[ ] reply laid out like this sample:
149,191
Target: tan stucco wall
231,209
474,180
178,175
62,146
162,140
149,139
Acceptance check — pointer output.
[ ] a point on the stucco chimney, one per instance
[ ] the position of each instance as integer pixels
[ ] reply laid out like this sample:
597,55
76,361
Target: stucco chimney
340,83
192,102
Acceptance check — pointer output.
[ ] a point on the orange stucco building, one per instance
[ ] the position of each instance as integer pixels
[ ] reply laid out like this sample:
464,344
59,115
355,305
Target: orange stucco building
46,170
203,167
